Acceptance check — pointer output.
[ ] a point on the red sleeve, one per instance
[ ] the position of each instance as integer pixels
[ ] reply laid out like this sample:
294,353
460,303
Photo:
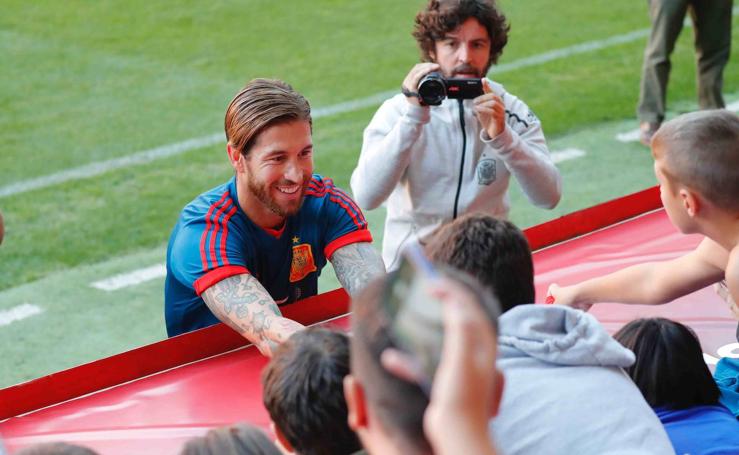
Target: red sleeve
216,275
347,239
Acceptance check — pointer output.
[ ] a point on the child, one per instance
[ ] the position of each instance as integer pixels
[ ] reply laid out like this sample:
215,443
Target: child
696,160
675,381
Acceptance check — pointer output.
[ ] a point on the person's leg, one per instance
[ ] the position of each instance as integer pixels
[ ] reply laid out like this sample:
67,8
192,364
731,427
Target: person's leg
667,21
712,23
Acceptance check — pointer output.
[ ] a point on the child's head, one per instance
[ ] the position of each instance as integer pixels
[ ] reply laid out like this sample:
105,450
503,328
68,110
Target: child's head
303,391
697,162
494,251
669,368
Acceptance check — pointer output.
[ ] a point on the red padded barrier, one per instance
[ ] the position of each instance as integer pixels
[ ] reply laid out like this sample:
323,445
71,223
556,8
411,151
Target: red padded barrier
145,360
190,347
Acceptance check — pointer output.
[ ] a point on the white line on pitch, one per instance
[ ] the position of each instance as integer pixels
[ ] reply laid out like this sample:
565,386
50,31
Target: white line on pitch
733,107
17,313
131,278
567,154
629,136
146,156
633,135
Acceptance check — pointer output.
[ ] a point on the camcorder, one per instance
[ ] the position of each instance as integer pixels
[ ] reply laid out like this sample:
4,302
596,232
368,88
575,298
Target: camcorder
415,315
434,87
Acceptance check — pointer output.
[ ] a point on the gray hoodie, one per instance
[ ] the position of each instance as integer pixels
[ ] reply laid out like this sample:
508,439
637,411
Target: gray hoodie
565,390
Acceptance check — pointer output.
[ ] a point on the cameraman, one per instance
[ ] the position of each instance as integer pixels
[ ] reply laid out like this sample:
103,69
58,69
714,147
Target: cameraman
435,163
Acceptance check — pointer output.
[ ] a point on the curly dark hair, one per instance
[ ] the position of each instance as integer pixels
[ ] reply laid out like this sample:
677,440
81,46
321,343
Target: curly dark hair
443,16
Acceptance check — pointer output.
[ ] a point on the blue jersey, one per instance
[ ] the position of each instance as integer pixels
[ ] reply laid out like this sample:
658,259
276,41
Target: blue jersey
214,239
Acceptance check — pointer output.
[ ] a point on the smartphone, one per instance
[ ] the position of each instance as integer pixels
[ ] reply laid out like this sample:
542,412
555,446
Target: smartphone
416,325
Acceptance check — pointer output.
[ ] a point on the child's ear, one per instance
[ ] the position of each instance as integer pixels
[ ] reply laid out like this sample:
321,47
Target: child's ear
691,202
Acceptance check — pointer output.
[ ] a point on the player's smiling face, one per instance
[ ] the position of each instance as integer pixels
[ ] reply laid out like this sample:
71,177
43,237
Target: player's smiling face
464,52
279,167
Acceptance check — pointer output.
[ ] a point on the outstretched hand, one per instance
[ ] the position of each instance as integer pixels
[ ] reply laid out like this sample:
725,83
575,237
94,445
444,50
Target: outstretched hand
565,295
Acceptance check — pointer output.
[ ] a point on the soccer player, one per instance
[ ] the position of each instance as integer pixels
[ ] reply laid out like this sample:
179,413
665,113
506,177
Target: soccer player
261,239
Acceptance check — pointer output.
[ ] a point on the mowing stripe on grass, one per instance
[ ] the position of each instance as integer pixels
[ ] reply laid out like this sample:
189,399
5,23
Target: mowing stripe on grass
147,156
131,278
18,313
633,135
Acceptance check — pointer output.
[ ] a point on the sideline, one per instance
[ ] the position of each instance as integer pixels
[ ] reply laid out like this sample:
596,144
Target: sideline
165,151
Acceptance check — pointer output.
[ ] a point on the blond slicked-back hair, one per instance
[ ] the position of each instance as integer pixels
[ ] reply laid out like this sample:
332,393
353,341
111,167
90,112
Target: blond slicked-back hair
701,150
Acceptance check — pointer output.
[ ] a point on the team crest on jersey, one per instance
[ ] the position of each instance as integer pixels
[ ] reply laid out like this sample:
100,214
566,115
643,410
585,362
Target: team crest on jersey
486,171
303,262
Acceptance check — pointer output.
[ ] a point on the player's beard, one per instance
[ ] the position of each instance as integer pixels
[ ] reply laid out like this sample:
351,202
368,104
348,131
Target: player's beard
261,191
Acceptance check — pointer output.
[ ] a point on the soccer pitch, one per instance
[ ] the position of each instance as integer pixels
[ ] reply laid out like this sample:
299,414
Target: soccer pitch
112,120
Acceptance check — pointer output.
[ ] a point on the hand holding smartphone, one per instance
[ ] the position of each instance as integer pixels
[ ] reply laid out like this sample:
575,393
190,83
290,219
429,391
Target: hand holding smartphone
416,325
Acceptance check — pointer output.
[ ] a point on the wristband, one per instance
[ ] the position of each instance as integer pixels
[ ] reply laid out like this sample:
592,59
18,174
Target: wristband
408,93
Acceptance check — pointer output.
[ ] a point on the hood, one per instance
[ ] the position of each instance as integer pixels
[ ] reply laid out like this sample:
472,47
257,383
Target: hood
560,335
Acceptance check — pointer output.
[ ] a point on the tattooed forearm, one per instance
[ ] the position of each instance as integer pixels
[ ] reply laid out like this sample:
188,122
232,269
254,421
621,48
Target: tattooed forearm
242,302
356,265
238,292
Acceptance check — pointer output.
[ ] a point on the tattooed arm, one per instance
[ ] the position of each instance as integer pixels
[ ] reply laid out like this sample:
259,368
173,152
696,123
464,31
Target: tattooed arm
242,302
356,265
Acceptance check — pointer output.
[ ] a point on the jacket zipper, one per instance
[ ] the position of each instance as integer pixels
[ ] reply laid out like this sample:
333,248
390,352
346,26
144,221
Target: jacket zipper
461,164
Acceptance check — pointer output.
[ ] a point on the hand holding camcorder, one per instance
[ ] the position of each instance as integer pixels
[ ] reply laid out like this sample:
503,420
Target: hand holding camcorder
433,88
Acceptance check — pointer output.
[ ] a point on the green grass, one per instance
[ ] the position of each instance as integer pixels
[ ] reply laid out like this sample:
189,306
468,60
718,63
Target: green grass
89,81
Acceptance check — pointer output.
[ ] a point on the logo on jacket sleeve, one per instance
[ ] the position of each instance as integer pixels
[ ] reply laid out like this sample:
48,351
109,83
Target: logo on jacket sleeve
486,171
302,263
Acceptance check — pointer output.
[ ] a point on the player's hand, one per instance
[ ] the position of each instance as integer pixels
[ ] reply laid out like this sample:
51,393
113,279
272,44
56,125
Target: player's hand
490,111
565,296
266,347
410,83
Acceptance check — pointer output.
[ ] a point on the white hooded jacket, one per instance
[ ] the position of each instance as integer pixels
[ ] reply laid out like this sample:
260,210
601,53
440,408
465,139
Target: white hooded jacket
565,389
413,157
